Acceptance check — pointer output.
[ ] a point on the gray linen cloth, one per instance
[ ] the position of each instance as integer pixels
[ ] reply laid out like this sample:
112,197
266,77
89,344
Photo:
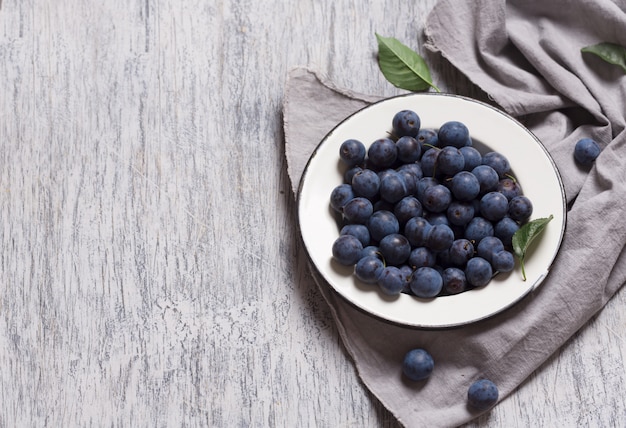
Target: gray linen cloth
526,55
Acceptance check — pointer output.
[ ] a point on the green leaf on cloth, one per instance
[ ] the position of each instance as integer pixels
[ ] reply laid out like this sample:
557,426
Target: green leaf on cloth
403,67
609,52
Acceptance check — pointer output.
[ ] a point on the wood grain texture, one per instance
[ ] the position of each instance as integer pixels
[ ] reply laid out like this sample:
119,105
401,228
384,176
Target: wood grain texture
150,273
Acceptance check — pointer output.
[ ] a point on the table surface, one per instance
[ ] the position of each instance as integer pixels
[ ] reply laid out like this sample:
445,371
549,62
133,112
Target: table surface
150,267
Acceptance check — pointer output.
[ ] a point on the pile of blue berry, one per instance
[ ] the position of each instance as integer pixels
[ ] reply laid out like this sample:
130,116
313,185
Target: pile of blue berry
423,212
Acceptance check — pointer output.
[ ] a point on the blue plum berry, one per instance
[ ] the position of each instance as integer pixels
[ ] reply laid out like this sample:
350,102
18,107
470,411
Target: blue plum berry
460,252
477,229
352,152
454,281
383,153
450,160
418,364
440,237
395,249
392,187
482,394
488,246
358,210
349,174
427,138
407,208
422,257
340,196
454,133
370,250
498,162
429,162
472,157
503,261
426,282
505,229
436,198
382,223
586,151
359,231
366,183
478,272
520,208
368,269
494,206
391,281
347,250
417,231
423,184
487,178
409,149
460,213
406,122
465,186
509,188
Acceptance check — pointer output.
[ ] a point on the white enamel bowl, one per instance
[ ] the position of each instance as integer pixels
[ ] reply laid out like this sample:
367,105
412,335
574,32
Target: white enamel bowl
491,130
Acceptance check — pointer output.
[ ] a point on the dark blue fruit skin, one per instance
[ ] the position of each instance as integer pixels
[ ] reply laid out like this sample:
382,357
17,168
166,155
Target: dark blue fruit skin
460,213
482,394
488,246
370,250
586,151
436,198
460,252
505,229
347,250
406,122
358,210
352,152
391,281
478,272
454,133
454,281
417,231
395,249
494,206
498,162
382,223
520,208
423,184
368,269
509,188
422,257
382,153
503,261
359,231
429,161
426,282
407,208
393,187
487,177
340,196
465,186
418,364
440,237
409,149
450,160
477,229
366,183
472,157
349,174
427,138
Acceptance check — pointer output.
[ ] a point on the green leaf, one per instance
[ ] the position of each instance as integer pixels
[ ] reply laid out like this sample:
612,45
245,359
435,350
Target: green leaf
403,67
609,52
525,235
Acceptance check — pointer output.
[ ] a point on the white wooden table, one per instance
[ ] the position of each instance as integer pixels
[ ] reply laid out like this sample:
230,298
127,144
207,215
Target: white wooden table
150,273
